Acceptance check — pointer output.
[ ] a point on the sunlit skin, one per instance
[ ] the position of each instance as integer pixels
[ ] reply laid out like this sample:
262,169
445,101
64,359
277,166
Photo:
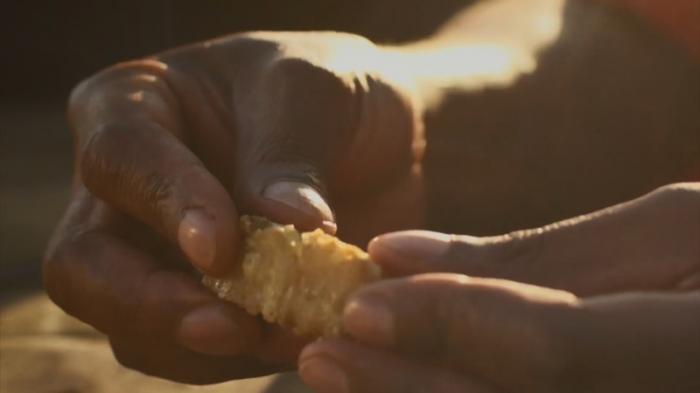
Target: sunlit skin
624,316
325,130
169,151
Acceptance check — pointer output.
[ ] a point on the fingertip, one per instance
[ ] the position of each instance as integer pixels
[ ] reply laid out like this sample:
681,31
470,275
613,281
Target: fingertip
377,250
329,227
284,214
369,318
209,241
197,236
289,202
414,251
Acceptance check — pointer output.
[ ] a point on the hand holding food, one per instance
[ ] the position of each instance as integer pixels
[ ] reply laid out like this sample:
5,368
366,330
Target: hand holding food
171,149
624,316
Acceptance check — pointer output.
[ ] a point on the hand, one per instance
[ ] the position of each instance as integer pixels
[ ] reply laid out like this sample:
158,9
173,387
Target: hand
651,243
169,151
446,332
634,327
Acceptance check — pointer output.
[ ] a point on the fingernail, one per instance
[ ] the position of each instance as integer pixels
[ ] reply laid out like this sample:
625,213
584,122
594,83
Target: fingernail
210,330
301,197
323,374
197,238
370,320
424,245
329,227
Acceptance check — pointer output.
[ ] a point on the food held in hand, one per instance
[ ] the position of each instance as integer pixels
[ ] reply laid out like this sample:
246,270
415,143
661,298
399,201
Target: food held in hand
297,280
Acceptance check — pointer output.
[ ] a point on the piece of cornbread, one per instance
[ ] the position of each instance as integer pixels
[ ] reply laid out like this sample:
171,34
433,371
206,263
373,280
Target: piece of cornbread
297,280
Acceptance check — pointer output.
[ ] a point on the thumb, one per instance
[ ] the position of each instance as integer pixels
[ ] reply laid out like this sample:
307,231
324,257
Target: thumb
417,251
295,125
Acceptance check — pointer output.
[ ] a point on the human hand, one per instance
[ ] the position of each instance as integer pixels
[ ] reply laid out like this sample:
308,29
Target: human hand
651,243
634,327
170,149
446,332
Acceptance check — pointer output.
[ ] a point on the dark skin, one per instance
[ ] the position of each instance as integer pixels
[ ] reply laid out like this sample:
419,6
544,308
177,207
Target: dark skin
623,317
170,150
165,163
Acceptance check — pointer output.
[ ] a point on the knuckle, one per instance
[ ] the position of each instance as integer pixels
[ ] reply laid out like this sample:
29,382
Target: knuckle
504,256
144,70
309,112
680,195
98,153
322,87
522,250
680,204
302,69
79,94
114,168
465,249
93,97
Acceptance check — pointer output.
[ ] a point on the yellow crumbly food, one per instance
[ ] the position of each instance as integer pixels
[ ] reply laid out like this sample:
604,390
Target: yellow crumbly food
297,280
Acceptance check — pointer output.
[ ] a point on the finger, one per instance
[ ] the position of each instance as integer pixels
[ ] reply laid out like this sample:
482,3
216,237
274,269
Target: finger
132,157
613,250
301,115
502,331
306,125
521,337
123,292
168,360
337,366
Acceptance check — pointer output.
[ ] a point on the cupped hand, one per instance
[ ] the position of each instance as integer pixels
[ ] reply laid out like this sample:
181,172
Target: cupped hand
171,149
